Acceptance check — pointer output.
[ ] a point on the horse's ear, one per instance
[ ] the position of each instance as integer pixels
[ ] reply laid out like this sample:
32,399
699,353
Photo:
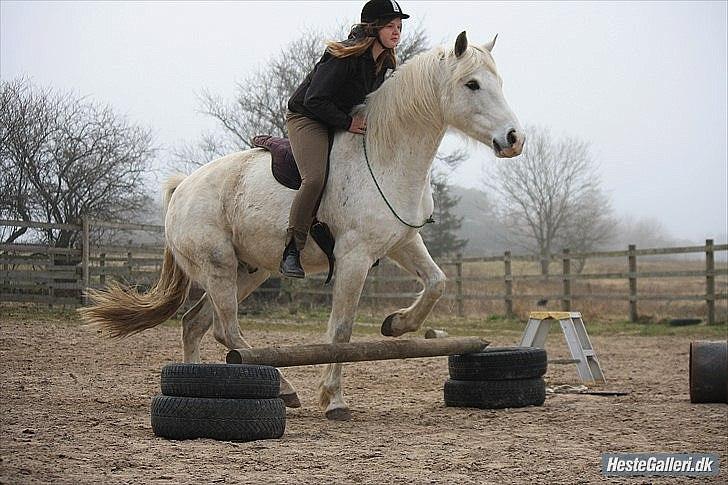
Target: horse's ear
461,43
489,45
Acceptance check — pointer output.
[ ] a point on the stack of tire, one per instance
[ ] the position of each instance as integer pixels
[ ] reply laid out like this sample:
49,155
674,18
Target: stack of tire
497,377
219,401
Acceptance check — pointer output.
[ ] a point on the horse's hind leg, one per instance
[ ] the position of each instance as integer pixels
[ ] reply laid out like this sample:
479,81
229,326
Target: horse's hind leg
195,323
415,258
200,318
246,284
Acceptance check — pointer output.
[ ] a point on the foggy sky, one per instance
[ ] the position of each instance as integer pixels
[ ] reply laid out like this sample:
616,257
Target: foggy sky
643,83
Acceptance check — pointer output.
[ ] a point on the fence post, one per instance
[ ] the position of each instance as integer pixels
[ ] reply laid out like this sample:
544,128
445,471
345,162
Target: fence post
102,265
374,300
710,280
129,257
566,271
459,284
293,305
632,258
86,249
509,284
51,279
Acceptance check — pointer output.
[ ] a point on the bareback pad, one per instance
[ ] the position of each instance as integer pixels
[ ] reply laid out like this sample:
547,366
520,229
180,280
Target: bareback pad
285,171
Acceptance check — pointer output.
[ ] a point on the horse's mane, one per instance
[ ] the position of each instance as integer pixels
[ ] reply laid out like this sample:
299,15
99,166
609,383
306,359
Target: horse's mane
409,95
413,94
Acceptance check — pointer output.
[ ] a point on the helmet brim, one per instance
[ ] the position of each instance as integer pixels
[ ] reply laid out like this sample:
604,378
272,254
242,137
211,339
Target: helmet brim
386,17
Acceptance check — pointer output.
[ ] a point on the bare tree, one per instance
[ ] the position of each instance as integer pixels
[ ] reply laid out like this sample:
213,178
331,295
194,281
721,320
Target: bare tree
35,119
64,157
550,197
590,226
261,99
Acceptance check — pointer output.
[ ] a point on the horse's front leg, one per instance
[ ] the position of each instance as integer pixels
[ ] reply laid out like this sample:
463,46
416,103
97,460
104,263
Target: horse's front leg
415,258
349,277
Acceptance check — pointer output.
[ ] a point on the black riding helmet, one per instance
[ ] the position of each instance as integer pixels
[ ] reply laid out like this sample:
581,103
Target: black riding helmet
374,15
377,10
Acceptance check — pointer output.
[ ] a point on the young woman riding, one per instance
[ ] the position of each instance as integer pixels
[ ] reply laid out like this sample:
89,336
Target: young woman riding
346,73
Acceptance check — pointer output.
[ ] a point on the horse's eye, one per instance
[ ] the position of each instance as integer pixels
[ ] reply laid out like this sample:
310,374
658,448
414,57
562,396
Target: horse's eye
473,85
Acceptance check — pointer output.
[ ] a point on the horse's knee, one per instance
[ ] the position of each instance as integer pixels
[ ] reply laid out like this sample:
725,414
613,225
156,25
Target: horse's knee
436,284
341,333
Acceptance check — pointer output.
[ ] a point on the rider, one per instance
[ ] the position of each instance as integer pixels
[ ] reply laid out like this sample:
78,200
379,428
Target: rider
346,73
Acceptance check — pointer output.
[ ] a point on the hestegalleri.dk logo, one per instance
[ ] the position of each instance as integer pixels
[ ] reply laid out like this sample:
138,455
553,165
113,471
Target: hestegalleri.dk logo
673,464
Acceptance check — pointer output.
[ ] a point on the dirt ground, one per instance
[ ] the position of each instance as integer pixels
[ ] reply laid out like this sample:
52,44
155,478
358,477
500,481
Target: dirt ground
74,408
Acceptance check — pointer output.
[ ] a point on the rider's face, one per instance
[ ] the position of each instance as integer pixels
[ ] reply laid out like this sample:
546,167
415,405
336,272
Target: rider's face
390,34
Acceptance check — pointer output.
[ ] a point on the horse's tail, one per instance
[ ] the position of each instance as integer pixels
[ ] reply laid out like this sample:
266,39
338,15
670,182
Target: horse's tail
169,187
121,310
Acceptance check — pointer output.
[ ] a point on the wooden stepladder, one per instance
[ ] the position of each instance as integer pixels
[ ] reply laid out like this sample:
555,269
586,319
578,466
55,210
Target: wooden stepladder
572,324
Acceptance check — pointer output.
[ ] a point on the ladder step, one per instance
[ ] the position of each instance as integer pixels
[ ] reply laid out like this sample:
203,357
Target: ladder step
589,353
564,361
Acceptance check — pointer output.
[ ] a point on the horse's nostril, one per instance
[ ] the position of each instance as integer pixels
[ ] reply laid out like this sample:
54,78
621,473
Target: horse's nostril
496,146
511,137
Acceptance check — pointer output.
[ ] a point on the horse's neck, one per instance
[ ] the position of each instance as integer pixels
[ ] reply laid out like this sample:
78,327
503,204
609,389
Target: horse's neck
402,171
408,128
410,159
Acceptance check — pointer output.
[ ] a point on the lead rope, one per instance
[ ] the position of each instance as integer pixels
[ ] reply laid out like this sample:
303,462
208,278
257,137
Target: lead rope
429,220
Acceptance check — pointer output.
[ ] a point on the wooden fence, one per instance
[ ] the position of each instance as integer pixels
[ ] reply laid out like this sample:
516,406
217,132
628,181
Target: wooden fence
56,276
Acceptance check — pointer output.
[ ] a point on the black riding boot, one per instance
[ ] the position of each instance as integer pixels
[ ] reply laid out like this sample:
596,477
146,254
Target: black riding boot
291,262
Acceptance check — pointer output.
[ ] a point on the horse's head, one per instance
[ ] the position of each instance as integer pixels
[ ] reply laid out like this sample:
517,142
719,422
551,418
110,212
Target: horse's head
474,102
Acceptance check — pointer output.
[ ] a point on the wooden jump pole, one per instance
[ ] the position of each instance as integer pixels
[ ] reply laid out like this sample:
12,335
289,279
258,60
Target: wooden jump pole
355,351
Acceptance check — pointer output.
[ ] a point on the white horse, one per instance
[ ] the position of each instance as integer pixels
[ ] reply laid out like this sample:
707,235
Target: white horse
225,223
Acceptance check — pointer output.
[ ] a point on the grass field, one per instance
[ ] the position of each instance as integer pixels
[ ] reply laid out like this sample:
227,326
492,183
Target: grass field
276,318
609,303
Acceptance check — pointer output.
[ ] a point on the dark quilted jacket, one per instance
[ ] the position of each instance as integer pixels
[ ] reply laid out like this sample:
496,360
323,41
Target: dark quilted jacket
334,87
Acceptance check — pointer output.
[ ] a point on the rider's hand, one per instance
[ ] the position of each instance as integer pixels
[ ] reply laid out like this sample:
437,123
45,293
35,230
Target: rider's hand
358,124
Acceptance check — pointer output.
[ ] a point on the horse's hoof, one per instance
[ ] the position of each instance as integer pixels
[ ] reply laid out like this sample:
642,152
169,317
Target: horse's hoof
338,414
291,400
387,325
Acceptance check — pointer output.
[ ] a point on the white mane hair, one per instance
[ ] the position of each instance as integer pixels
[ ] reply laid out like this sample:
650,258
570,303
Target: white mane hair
415,93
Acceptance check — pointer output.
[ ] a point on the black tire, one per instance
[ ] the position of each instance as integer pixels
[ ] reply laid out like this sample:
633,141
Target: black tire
228,381
498,363
516,393
183,418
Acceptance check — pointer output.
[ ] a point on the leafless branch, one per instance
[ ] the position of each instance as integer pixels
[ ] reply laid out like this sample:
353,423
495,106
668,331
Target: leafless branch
64,157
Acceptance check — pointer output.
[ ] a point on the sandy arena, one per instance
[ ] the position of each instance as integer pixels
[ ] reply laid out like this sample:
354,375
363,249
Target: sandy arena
75,409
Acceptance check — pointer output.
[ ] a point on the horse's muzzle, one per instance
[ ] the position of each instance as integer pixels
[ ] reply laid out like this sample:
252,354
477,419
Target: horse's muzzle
511,146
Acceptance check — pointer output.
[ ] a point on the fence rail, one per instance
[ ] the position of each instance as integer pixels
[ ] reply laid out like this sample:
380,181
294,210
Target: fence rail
40,273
